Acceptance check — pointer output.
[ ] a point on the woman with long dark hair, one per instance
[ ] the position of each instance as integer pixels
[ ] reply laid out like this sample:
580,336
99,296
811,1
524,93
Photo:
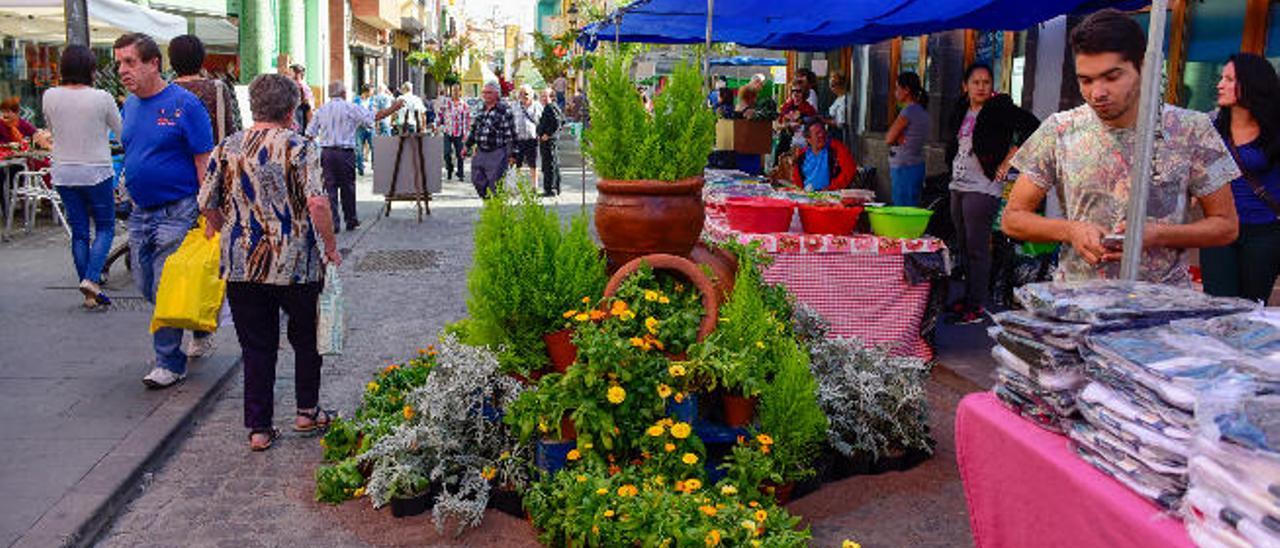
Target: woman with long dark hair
906,141
1249,122
986,130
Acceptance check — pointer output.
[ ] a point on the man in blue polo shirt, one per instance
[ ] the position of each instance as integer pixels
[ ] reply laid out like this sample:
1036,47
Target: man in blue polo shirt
167,139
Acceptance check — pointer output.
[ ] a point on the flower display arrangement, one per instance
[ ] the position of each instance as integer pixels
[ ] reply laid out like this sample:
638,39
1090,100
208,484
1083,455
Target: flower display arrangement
528,269
876,403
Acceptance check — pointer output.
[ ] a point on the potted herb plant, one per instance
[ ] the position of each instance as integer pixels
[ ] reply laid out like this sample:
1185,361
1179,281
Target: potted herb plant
650,165
410,495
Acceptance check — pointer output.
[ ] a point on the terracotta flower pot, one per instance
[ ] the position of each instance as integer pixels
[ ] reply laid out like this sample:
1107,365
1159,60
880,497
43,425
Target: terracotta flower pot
738,411
723,265
561,349
636,218
685,268
567,430
781,493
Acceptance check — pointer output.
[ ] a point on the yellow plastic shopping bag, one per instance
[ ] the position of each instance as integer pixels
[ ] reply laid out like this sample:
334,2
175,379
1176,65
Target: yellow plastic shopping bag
191,289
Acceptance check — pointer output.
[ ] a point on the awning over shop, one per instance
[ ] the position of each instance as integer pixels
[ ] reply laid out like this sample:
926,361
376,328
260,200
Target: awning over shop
747,61
814,26
42,21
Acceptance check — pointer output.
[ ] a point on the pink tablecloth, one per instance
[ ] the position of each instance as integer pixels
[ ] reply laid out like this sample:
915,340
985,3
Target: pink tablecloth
1026,487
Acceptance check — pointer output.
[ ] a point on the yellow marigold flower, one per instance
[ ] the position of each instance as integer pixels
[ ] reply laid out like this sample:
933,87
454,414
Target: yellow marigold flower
679,397
681,430
618,308
587,446
608,513
713,538
728,490
637,342
708,510
655,431
488,473
760,344
764,439
689,458
542,427
573,455
761,515
628,315
669,447
692,484
664,391
505,455
358,493
651,323
586,300
628,490
663,300
582,316
581,478
602,491
597,315
749,525
372,387
676,370
408,412
667,422
764,449
569,313
650,295
849,544
659,479
616,394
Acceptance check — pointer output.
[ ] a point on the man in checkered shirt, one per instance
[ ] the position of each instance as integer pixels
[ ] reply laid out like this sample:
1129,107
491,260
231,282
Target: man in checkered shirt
492,135
455,121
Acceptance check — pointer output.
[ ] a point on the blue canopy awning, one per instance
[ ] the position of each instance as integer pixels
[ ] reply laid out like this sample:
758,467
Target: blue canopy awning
815,26
747,61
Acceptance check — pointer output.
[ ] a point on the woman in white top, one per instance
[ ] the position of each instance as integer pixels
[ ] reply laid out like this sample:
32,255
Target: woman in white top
80,118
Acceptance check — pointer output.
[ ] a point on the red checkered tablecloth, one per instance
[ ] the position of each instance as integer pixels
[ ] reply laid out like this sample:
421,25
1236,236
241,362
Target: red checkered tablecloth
857,283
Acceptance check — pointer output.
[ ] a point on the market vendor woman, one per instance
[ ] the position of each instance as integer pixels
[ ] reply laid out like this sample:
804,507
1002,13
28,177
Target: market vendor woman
1084,155
825,164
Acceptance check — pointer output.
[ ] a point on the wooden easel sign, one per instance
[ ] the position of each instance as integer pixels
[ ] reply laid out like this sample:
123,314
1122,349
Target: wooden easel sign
407,169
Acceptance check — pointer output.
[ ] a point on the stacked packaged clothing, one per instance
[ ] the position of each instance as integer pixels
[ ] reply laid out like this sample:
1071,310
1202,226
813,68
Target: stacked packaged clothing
1040,368
1137,374
1234,494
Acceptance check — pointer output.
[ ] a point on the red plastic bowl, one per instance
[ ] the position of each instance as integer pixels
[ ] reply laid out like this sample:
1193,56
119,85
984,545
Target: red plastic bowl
837,220
759,215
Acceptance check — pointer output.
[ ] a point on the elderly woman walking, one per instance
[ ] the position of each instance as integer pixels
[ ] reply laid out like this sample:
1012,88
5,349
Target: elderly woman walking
263,191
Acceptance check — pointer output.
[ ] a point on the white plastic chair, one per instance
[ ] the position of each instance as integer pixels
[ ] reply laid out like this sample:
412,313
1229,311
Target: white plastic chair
30,189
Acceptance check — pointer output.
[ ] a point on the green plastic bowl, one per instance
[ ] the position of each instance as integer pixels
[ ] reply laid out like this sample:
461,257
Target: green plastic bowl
899,222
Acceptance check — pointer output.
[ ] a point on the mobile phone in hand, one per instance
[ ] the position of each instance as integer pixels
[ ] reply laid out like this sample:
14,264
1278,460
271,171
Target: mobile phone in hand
1113,242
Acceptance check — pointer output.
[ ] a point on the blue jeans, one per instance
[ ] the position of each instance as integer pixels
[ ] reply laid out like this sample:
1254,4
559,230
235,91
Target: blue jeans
154,234
908,182
83,203
364,136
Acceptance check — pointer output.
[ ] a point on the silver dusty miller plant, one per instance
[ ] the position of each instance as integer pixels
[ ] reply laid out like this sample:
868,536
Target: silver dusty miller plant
875,403
456,437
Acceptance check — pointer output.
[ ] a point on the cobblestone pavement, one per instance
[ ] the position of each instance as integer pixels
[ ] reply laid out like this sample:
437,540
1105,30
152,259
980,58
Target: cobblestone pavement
214,492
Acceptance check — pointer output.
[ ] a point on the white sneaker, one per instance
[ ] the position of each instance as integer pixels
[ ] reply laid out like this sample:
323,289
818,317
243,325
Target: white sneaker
160,377
199,347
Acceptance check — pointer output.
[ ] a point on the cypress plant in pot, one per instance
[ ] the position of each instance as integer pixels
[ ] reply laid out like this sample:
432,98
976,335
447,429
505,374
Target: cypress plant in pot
650,164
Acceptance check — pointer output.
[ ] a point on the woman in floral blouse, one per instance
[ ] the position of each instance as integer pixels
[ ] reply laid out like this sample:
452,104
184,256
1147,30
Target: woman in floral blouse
263,191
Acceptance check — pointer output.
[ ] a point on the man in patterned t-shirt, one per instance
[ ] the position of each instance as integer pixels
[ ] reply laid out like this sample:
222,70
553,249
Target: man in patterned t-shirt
1085,154
492,135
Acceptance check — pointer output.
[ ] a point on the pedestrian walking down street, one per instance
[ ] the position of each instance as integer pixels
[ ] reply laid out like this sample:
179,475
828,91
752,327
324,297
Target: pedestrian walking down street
80,117
364,134
262,192
986,130
548,147
379,101
455,123
413,117
186,57
167,139
1249,123
302,118
334,128
492,136
527,112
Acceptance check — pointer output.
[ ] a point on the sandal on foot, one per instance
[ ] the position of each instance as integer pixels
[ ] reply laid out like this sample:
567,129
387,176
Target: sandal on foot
319,417
272,434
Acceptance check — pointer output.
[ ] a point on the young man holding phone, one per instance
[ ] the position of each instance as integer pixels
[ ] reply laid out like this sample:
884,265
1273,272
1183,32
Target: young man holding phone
1085,155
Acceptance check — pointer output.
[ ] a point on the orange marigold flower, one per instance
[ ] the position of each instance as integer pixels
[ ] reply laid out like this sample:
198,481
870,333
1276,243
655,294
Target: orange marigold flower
597,315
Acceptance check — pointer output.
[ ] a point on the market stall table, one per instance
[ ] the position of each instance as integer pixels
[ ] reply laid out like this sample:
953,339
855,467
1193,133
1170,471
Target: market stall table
875,289
1027,487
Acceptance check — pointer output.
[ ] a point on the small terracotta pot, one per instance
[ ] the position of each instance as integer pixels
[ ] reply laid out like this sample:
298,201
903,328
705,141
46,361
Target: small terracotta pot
567,430
723,265
636,218
781,493
560,349
738,411
691,273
